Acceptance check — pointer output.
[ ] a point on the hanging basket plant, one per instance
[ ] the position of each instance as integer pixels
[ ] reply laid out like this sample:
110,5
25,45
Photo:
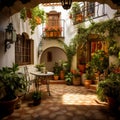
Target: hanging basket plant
36,16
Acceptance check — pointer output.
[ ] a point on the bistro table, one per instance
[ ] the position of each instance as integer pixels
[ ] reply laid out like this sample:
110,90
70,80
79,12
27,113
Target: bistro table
42,77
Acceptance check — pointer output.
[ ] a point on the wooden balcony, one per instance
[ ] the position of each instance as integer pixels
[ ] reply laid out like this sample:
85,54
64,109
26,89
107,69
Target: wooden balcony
53,30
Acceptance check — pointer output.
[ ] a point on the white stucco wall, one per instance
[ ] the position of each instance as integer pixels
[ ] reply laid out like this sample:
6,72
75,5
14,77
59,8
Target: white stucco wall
7,58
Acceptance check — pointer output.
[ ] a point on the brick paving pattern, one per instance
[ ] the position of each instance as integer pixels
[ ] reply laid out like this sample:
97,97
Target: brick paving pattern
65,103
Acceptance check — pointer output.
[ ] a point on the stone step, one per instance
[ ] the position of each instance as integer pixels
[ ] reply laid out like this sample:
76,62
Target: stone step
93,87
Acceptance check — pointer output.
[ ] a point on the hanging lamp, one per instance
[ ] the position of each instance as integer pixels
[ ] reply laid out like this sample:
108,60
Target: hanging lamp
66,4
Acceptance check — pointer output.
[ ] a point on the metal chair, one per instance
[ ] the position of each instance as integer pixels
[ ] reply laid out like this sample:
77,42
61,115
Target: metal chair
27,77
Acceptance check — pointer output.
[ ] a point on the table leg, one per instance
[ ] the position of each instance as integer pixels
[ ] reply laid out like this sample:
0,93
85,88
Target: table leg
47,83
37,86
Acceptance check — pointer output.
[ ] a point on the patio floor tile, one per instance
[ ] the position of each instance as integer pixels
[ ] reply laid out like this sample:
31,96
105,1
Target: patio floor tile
65,103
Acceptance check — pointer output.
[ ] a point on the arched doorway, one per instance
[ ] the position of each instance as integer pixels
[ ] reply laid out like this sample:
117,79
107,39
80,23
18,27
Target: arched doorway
52,55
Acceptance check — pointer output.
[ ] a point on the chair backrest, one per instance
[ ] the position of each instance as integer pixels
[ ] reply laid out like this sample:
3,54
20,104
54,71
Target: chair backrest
26,73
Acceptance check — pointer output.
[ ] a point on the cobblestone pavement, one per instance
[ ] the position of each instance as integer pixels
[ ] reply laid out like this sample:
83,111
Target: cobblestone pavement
65,103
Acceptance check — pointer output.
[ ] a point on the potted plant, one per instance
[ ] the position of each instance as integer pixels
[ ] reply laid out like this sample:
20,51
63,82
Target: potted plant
76,77
35,16
40,66
108,90
82,61
62,70
89,75
12,84
99,61
69,78
75,11
56,70
36,97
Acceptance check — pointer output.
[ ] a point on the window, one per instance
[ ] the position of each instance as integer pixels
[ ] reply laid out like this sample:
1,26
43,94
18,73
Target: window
53,27
24,49
90,9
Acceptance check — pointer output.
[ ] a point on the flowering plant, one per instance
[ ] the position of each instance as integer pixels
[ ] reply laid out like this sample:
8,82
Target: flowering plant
76,73
53,28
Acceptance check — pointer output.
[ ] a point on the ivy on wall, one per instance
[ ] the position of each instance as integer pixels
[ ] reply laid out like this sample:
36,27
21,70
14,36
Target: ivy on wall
107,30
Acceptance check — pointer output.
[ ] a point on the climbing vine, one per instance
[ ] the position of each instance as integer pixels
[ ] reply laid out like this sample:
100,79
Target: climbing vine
107,30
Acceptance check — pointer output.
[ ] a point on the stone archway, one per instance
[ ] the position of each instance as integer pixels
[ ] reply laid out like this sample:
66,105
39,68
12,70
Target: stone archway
51,55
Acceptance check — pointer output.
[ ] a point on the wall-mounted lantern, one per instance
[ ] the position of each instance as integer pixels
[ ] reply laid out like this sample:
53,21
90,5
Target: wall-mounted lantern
10,36
66,4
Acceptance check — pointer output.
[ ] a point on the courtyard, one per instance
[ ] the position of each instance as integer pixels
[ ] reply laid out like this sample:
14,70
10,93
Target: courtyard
65,103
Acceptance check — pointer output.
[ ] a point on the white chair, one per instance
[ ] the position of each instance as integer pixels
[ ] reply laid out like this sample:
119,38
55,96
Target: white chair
27,77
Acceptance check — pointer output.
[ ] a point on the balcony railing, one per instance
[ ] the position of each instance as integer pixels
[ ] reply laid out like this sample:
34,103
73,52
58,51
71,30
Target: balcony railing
53,29
88,12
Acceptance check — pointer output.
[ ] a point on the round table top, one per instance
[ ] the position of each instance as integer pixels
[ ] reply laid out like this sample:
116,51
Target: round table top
38,73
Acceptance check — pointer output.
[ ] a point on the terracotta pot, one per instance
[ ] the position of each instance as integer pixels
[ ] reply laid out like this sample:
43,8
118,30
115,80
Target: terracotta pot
76,81
36,102
112,103
87,83
81,68
56,77
7,107
62,75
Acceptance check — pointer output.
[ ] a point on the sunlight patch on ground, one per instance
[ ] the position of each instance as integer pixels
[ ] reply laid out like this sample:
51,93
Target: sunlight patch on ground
78,99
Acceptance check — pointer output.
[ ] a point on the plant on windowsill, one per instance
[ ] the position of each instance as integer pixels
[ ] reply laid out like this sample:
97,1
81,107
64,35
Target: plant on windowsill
52,28
53,31
36,16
